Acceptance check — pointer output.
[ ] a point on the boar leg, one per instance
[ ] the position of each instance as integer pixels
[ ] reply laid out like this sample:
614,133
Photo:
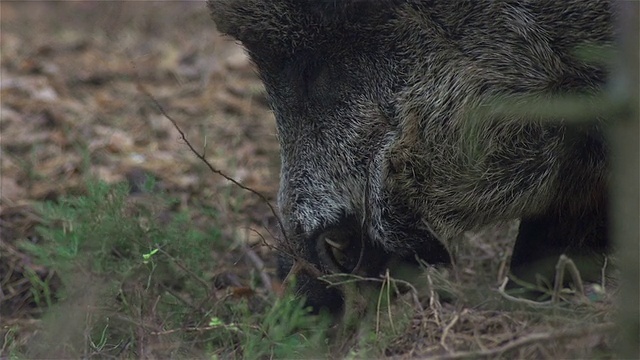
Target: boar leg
542,239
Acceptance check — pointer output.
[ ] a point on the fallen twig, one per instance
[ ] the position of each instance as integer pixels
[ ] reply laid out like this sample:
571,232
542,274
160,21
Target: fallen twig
503,293
446,330
528,339
186,269
258,264
434,300
566,264
386,282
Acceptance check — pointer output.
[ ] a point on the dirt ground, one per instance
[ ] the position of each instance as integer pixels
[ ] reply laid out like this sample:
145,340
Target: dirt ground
72,108
73,105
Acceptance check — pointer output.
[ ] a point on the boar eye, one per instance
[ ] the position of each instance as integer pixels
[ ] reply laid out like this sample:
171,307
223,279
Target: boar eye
314,80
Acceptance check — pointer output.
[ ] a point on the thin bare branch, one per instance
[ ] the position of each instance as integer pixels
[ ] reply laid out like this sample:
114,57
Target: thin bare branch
202,158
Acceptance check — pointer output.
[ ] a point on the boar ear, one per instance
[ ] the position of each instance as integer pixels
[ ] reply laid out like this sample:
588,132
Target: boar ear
349,8
249,21
275,27
233,18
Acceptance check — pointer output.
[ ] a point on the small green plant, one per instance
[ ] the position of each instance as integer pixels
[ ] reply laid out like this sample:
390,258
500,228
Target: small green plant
286,330
40,289
82,226
150,279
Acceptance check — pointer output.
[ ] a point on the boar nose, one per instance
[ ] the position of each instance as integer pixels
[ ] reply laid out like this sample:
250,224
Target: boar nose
319,295
337,248
340,248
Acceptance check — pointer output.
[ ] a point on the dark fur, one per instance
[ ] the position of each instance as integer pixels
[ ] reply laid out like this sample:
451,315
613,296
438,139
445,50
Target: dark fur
385,138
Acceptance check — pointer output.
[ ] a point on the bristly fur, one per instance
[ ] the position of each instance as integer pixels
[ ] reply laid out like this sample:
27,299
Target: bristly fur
377,107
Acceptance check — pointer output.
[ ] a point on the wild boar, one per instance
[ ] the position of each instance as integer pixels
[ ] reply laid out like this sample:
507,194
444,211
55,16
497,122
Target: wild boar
388,144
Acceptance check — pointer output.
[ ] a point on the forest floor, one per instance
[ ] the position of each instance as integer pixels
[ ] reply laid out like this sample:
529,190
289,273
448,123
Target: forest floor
79,86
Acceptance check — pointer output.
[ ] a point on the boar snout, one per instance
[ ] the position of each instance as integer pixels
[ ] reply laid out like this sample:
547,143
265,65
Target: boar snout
341,248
